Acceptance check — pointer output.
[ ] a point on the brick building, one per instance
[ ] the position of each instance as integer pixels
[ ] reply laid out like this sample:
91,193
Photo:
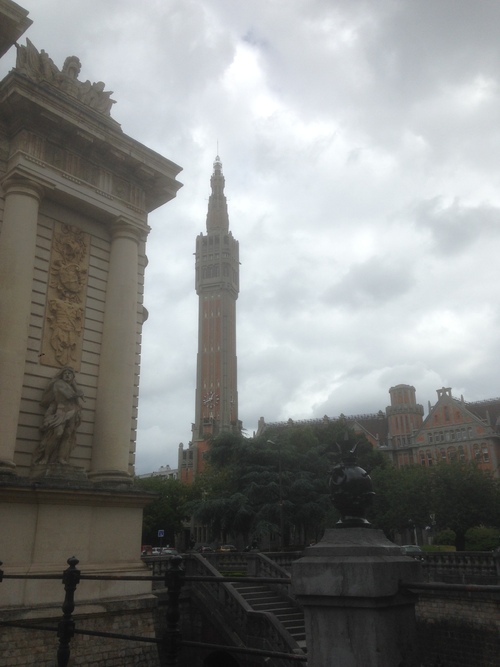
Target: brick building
453,429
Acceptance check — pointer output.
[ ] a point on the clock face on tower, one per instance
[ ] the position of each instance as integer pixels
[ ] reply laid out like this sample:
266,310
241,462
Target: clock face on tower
211,399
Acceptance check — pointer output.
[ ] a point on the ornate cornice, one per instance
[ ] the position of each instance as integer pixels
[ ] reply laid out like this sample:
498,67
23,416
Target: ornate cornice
49,129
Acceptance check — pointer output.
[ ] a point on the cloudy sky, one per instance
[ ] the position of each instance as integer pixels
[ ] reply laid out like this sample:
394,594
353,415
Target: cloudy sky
360,145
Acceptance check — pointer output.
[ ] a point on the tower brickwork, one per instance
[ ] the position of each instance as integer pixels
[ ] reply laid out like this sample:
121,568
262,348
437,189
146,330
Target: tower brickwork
404,415
217,287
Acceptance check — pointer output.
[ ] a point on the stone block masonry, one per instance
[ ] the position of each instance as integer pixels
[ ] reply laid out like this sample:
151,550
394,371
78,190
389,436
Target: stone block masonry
37,648
459,629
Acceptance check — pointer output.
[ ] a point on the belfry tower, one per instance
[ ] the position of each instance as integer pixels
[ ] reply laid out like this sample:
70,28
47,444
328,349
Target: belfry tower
217,286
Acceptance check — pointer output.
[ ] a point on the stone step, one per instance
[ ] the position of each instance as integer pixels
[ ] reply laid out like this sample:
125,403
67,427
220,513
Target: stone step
265,595
292,622
253,590
263,598
289,618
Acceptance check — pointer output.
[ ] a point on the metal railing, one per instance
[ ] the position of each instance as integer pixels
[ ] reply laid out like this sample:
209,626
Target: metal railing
171,643
257,628
462,567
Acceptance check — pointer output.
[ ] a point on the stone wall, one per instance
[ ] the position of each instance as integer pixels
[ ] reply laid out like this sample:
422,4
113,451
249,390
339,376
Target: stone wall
38,648
459,629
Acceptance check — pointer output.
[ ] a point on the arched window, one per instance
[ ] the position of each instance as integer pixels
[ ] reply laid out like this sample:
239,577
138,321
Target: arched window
443,454
477,452
461,454
429,457
422,457
486,454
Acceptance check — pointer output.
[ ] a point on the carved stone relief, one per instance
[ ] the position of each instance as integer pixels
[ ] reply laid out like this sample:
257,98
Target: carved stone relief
66,295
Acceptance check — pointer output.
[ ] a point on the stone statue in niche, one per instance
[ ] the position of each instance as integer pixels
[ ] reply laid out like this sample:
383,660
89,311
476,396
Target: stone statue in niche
62,403
38,66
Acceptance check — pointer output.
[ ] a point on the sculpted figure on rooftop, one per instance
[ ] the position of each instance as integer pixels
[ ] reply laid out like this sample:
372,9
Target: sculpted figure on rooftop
39,67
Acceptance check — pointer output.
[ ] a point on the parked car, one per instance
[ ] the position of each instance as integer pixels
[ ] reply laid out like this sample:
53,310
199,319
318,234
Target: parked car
205,549
226,547
156,551
169,551
413,551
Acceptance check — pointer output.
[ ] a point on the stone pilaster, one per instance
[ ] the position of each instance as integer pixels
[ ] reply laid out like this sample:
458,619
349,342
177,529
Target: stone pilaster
115,392
355,613
17,258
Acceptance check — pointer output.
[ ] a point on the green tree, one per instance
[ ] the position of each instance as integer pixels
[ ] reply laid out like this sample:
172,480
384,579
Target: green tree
402,498
464,496
168,509
460,496
254,485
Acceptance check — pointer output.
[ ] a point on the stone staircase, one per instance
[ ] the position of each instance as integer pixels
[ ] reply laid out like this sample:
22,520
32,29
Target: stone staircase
261,597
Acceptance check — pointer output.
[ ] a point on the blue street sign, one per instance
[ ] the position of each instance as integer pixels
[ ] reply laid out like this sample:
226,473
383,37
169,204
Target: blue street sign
161,533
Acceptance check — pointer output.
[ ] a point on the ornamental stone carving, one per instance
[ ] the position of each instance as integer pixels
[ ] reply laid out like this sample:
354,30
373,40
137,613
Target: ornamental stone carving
65,308
38,66
66,325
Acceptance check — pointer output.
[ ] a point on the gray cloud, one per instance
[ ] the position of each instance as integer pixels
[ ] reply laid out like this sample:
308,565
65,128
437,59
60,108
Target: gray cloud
455,228
359,145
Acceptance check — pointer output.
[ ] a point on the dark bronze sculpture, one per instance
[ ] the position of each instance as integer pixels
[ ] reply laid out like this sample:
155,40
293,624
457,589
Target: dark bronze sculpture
351,491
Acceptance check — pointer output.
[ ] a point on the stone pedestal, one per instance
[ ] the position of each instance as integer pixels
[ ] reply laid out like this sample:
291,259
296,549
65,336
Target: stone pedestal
355,613
49,519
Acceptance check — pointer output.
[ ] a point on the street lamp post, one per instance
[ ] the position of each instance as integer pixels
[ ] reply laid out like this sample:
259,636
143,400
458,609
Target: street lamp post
280,491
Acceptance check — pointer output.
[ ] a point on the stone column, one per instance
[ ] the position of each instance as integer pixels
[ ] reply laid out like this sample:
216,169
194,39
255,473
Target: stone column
115,391
355,613
17,259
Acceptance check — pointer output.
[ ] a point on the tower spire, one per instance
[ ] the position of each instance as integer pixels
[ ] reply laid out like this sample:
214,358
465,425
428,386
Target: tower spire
217,215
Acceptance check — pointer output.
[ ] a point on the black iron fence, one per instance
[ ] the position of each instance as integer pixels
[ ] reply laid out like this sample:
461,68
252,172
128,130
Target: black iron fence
170,644
173,577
